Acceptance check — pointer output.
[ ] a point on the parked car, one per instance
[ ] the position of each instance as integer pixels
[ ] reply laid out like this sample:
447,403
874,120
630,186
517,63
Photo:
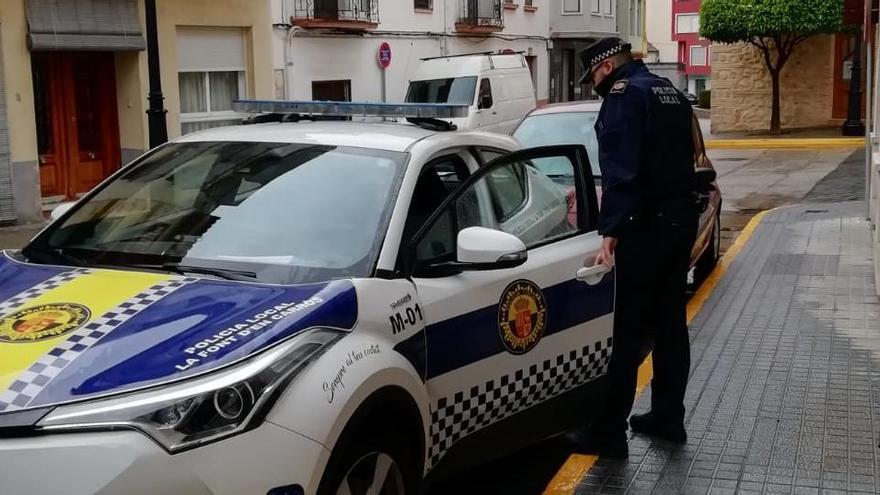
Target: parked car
497,88
311,307
573,123
692,99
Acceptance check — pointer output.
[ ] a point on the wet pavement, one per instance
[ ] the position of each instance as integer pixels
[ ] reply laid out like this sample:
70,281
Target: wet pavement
785,380
752,181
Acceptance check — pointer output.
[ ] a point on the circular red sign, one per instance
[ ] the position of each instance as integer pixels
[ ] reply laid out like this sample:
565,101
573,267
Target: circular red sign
384,55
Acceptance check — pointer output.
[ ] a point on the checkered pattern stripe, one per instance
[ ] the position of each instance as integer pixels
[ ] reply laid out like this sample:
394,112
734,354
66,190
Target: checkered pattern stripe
455,417
607,53
29,384
38,290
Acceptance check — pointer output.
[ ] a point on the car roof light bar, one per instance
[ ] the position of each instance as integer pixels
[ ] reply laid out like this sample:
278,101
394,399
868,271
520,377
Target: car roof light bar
352,109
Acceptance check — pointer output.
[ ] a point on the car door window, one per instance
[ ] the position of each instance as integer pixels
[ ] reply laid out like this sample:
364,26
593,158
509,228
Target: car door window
508,187
485,98
436,182
515,195
699,146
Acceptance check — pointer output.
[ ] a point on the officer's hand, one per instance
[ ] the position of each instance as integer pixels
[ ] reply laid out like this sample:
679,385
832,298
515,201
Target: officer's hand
606,255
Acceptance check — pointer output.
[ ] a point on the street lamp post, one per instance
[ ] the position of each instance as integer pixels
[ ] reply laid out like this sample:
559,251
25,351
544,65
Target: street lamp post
156,113
853,125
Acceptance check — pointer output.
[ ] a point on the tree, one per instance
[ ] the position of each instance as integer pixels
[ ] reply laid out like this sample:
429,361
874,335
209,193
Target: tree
775,27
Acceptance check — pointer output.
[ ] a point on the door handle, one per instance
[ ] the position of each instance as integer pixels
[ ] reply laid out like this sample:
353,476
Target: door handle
592,275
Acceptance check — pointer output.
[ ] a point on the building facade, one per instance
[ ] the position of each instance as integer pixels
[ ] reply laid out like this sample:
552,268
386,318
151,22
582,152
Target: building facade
328,50
574,25
814,85
662,54
694,52
74,86
631,25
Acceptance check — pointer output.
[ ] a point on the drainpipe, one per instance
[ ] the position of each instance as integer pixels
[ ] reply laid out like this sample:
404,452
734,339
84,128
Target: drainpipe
156,113
288,63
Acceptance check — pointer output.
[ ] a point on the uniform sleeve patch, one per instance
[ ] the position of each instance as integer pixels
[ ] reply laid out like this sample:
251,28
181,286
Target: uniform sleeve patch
620,86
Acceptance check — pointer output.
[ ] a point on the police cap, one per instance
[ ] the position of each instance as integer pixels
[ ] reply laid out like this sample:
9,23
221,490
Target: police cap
599,51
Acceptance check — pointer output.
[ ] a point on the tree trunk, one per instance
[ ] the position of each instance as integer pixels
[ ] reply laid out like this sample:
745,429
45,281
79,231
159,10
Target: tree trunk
775,118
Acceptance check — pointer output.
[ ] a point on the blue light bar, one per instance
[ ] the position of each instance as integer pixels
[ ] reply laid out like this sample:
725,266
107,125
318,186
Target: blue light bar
352,109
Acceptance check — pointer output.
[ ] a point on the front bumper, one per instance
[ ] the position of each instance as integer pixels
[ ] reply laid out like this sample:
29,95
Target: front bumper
129,463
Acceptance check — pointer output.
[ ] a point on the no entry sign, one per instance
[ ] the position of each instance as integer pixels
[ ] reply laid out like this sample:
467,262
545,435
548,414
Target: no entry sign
384,55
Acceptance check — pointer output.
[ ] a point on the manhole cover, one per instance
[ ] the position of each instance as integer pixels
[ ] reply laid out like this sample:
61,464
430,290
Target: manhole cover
730,160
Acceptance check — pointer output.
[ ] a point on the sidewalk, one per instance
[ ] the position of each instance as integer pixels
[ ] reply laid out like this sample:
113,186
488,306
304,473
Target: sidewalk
785,382
820,138
16,236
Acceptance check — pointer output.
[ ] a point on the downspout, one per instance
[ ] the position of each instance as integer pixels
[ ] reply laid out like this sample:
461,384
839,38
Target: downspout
444,42
288,40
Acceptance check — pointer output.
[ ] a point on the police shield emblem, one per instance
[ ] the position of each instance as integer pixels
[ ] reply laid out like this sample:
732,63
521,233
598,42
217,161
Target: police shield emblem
522,316
42,322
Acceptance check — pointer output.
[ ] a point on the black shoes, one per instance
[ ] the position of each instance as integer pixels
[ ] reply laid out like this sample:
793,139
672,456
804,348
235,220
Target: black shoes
647,424
606,446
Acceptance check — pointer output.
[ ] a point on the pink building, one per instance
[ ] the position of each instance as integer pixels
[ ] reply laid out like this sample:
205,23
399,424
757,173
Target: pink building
693,51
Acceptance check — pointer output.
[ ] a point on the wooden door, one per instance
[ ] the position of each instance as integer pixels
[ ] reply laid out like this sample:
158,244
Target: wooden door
51,141
77,129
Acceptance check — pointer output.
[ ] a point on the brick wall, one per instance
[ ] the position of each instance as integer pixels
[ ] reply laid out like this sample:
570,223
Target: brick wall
741,91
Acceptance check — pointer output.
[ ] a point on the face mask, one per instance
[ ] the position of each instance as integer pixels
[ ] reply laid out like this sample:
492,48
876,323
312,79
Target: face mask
604,87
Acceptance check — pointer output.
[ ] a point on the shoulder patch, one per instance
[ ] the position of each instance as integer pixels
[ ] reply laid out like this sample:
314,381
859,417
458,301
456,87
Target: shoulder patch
620,86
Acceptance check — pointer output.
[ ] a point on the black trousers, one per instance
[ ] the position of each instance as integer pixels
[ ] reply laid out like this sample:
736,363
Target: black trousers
650,313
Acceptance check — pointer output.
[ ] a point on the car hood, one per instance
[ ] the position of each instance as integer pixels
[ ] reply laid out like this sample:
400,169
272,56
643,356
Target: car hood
68,334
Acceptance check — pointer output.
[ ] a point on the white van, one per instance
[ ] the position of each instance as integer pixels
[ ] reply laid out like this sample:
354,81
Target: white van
498,88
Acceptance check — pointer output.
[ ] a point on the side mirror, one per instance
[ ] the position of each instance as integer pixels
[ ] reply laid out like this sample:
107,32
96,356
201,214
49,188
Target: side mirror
60,210
480,248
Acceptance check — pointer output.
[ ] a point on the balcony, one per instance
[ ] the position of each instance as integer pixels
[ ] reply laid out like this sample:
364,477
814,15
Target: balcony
348,15
480,17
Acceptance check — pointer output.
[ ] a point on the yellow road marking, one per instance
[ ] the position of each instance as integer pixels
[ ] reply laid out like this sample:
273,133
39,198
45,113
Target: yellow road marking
99,291
577,466
783,143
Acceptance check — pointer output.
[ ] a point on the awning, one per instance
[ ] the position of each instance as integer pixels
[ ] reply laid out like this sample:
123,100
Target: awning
103,25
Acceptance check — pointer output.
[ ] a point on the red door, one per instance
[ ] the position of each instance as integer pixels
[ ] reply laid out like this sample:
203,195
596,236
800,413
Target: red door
77,130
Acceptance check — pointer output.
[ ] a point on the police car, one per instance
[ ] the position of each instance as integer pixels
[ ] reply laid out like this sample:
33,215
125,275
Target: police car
304,307
568,123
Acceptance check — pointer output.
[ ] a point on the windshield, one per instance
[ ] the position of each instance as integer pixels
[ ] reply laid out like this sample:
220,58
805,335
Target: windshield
283,213
561,128
458,91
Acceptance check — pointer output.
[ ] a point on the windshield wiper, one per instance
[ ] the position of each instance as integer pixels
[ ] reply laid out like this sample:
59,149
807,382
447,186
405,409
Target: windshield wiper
56,253
226,273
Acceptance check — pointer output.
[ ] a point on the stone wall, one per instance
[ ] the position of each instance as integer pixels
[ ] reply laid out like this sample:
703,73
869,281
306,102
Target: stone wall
741,87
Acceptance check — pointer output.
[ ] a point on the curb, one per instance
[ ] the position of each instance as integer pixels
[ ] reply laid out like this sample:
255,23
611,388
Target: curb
573,471
794,143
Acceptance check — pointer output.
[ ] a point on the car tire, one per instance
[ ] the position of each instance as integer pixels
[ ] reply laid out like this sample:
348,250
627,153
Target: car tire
709,259
374,460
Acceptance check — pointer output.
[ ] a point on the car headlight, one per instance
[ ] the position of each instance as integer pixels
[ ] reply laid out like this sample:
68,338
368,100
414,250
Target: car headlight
204,409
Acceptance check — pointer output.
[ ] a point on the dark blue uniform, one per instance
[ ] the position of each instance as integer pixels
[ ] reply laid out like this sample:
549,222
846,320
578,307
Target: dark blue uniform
646,153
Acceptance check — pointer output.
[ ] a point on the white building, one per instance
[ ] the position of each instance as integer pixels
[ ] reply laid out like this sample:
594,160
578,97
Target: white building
659,31
327,49
662,53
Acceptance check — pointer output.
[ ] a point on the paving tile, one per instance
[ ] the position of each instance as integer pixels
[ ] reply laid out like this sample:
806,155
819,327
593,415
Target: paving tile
785,377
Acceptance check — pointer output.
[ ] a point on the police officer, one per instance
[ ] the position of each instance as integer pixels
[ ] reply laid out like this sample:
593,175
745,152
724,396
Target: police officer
649,221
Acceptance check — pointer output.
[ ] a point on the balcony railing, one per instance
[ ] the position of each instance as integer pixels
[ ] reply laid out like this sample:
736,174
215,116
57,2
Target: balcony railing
480,16
336,14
